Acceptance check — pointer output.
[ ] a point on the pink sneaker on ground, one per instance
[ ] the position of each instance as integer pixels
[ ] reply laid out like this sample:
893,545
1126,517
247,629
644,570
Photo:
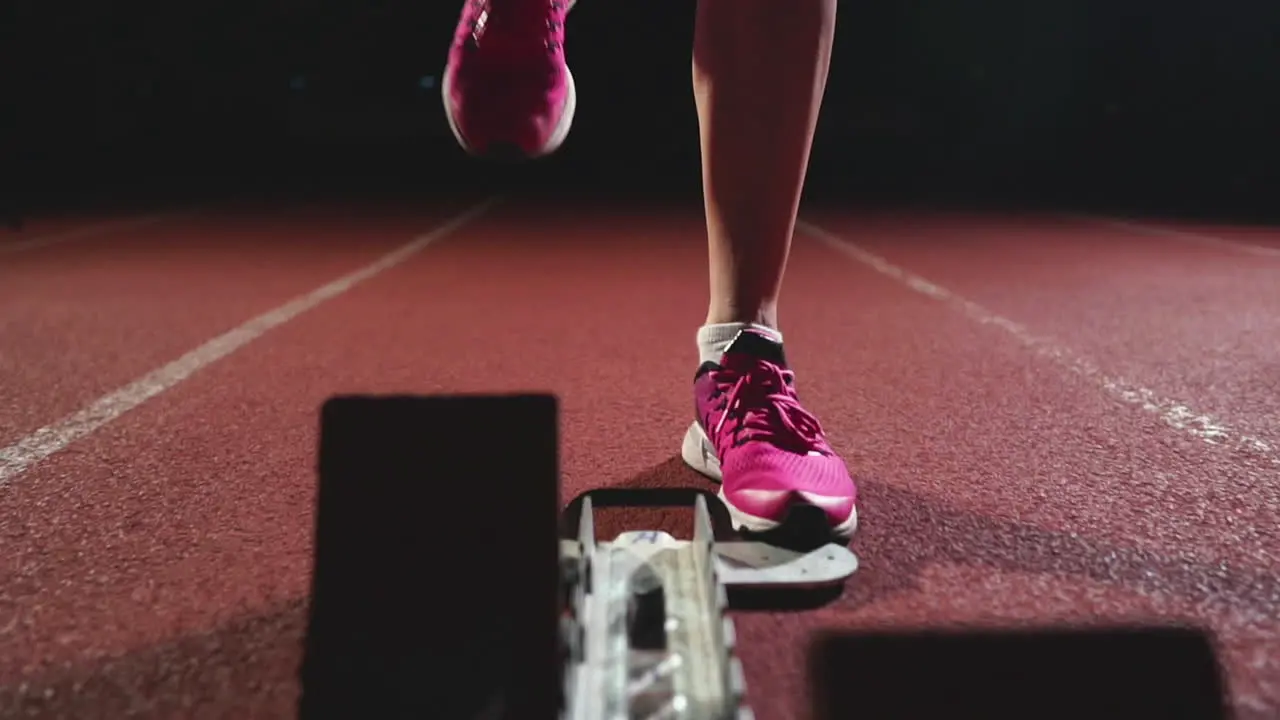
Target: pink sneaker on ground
767,451
506,85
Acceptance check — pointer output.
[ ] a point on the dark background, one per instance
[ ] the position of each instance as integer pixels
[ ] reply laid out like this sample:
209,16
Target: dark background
1117,105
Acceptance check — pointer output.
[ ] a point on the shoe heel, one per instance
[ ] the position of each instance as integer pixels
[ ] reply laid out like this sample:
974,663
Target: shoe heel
696,452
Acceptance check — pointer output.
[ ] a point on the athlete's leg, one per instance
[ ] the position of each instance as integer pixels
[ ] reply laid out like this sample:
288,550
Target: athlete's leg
759,72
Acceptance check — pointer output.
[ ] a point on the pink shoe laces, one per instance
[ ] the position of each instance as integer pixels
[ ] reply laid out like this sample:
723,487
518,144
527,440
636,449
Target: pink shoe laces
516,17
762,406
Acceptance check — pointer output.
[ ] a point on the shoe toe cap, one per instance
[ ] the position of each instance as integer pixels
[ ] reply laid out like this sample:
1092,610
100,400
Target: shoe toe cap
768,484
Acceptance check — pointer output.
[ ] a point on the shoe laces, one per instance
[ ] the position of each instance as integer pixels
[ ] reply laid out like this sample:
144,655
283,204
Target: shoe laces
516,17
760,404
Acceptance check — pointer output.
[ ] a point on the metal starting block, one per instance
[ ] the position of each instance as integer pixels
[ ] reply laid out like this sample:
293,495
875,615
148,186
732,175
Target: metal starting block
645,630
498,616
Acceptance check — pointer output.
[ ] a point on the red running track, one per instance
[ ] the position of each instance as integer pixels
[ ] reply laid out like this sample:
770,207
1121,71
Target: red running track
1059,421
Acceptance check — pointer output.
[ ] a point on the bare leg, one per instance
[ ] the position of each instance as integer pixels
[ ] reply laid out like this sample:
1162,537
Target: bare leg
759,73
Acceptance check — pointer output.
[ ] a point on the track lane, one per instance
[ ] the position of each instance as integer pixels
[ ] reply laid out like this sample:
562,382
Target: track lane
993,465
1191,322
44,233
1179,322
80,320
998,488
1257,240
193,511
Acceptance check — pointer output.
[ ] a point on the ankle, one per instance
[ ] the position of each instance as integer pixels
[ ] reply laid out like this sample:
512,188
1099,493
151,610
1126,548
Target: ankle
764,315
714,338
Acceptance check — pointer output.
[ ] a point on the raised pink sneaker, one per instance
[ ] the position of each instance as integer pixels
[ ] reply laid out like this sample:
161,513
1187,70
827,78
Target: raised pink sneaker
506,85
767,451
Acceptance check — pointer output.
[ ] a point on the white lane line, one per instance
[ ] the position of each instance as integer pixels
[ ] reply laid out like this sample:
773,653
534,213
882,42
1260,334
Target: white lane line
1199,238
1175,414
51,439
85,231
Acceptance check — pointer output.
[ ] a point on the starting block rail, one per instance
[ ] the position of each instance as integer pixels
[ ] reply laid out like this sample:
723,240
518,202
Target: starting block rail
646,629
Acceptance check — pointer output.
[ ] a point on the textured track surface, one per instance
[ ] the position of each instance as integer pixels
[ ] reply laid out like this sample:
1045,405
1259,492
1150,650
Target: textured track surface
1057,421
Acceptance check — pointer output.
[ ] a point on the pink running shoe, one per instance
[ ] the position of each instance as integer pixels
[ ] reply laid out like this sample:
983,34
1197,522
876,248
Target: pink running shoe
767,451
506,85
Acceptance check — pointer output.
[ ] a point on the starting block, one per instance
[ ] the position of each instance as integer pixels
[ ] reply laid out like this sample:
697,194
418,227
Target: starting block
645,629
446,584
